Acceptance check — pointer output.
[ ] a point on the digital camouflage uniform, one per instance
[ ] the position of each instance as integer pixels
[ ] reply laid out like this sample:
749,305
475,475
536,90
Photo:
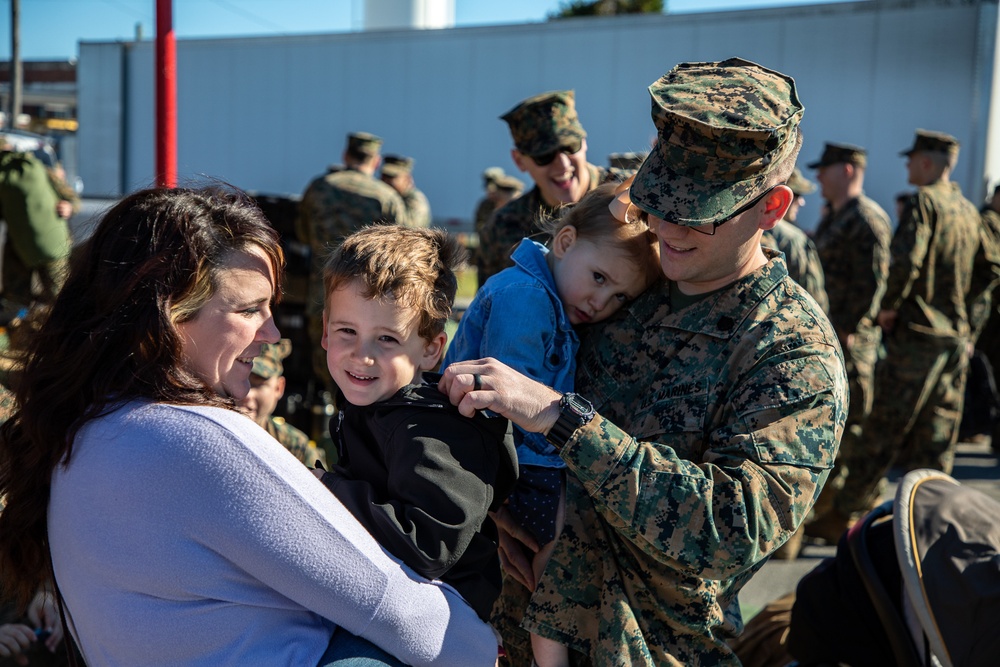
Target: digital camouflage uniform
717,427
517,220
418,209
494,181
717,423
38,240
268,365
853,246
481,218
540,124
332,207
294,440
800,257
920,383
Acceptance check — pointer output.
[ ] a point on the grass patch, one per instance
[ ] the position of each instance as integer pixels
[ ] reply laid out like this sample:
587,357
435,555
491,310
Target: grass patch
466,284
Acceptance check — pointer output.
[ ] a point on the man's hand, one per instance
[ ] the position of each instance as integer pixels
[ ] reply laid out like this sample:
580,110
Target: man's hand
517,548
487,384
64,209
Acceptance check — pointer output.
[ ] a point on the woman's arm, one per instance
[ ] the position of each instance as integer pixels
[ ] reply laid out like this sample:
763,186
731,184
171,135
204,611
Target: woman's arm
266,512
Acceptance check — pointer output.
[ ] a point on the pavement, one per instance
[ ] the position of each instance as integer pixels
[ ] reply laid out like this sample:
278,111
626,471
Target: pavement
975,466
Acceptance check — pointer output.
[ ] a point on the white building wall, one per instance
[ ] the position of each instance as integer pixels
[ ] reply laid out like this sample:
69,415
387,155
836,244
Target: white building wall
268,114
100,110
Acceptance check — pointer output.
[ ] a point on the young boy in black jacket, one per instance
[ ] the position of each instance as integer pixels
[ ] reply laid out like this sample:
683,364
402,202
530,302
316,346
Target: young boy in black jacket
417,474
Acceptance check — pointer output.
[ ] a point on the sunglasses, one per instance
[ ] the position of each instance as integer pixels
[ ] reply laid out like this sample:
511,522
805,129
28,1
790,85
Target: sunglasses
570,147
635,213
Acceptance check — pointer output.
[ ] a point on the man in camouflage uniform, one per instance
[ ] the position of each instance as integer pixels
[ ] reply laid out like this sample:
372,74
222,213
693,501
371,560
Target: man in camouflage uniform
853,243
486,205
920,384
550,145
800,254
397,172
267,386
38,240
332,207
719,398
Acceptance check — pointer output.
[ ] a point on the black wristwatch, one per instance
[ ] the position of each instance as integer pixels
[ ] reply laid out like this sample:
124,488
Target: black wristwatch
574,412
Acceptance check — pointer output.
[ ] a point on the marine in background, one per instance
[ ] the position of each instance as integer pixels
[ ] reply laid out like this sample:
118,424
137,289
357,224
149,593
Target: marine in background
500,189
267,386
550,145
920,384
333,206
397,172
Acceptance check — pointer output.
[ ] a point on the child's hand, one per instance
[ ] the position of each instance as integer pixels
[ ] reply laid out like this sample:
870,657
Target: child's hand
15,639
43,613
517,548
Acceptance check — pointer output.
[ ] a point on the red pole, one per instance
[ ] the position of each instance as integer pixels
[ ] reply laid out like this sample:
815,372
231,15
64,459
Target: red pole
166,96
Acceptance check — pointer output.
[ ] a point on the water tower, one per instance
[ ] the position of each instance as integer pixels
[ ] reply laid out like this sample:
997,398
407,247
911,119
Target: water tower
421,14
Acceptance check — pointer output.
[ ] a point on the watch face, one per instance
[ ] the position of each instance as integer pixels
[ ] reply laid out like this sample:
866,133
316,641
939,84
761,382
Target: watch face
579,405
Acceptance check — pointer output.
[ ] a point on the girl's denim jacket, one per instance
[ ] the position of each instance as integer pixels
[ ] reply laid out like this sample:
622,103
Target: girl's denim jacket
517,318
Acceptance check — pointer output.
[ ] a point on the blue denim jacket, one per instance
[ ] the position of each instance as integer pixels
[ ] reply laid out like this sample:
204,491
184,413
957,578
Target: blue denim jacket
517,317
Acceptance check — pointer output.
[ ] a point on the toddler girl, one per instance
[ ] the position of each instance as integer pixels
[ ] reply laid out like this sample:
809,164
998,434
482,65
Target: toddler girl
525,316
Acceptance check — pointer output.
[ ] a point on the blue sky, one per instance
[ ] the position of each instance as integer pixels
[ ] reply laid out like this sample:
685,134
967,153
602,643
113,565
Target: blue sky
51,29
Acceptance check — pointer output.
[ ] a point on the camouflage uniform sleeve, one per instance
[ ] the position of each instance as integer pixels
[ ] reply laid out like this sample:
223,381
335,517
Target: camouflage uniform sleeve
765,459
908,250
868,268
295,441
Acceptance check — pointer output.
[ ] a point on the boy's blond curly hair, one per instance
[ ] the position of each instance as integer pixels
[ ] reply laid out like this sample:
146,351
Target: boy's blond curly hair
414,267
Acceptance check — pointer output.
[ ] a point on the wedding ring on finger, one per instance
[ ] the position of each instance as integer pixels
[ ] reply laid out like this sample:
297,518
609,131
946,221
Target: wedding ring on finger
477,382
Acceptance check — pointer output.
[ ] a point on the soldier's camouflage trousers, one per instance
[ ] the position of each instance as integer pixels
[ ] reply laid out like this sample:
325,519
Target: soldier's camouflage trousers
920,388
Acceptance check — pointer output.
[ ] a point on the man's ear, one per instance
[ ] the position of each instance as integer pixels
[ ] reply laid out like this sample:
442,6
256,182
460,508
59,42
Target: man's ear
279,386
433,350
775,205
519,159
563,240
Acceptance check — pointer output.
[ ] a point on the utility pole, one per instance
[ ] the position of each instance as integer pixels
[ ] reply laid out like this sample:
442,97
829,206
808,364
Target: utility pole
166,96
16,71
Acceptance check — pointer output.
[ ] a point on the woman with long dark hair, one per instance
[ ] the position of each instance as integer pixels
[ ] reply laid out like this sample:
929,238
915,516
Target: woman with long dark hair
179,531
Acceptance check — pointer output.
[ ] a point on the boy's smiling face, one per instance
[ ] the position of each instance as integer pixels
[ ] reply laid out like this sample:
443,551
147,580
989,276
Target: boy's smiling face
372,346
